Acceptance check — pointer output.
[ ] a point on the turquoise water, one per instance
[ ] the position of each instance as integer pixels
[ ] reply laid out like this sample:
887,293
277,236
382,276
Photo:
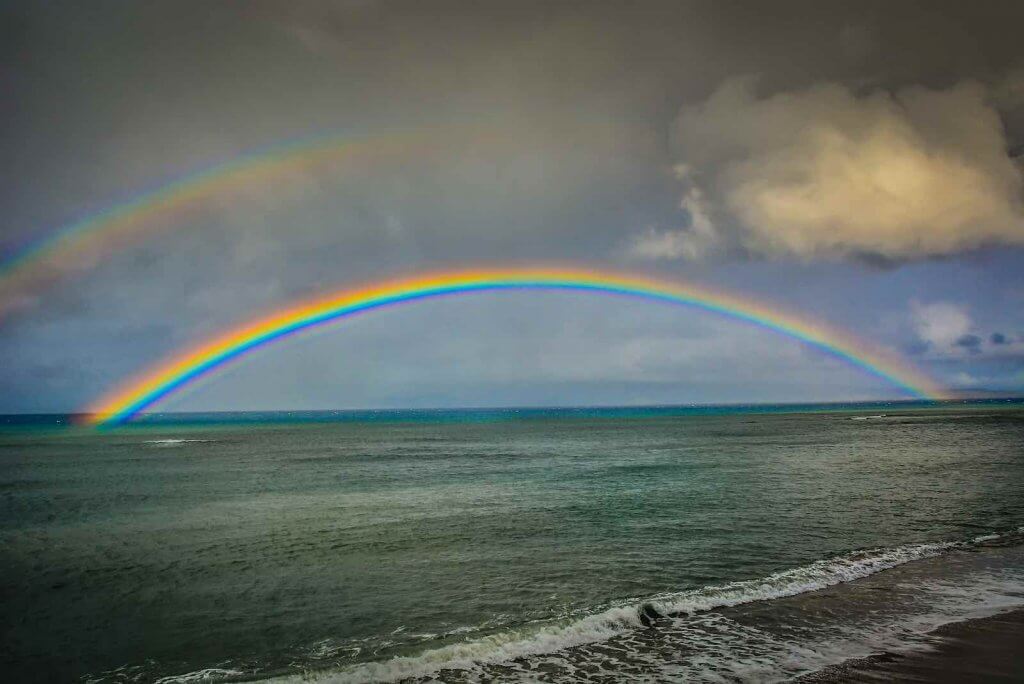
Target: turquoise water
494,542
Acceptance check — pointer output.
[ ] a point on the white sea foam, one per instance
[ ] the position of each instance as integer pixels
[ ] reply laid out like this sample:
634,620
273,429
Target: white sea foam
550,637
174,442
206,675
817,575
494,648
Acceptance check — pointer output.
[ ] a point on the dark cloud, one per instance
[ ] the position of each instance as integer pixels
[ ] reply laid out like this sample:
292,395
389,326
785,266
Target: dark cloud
998,338
552,137
971,343
917,347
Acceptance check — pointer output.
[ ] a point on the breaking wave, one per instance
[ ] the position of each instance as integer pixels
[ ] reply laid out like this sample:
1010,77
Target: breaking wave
621,619
174,442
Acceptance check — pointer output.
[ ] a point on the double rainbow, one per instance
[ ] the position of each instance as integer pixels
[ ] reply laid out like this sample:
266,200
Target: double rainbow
183,369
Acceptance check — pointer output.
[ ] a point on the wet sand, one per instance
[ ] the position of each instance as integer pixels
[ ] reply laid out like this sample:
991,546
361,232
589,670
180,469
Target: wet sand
987,649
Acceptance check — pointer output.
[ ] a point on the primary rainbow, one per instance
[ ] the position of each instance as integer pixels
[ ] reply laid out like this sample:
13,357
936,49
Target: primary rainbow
181,370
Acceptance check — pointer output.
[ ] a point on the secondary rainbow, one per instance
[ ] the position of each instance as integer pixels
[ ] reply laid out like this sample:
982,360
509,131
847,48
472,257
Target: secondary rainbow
154,386
111,229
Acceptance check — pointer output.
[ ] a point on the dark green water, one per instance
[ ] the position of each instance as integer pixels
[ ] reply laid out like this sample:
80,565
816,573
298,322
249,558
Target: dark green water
492,542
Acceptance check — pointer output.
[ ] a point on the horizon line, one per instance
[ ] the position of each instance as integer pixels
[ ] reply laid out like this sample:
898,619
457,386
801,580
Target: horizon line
534,407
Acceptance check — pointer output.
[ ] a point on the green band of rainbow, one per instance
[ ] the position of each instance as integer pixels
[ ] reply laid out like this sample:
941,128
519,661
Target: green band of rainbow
121,224
183,369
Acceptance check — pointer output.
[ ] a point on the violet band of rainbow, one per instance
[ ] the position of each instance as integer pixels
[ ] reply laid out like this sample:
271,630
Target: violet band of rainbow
125,222
185,368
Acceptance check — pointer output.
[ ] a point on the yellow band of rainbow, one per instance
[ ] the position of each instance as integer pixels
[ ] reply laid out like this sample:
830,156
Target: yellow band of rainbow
182,369
123,223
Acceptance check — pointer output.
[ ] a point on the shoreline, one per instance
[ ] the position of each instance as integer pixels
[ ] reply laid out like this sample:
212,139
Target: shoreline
985,649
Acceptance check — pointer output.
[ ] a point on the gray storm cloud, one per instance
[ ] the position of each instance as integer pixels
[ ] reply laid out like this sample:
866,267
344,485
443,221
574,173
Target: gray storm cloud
828,172
551,126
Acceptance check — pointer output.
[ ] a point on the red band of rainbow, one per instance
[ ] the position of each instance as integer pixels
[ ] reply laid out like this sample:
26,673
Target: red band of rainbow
180,371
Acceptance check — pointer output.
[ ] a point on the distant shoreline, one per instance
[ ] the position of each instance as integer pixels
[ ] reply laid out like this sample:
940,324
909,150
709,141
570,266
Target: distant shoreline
988,649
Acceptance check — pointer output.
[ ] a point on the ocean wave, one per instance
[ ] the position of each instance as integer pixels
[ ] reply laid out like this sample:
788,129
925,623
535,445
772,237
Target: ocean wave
174,442
551,636
205,675
817,575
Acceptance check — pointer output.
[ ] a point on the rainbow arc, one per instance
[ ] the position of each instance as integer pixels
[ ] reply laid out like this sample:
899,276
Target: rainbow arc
169,378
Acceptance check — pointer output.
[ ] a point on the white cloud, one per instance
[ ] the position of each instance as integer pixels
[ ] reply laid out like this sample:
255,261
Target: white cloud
963,379
940,324
662,244
948,331
826,172
698,238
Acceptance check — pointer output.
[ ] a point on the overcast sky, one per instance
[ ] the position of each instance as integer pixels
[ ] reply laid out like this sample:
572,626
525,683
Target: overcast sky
854,162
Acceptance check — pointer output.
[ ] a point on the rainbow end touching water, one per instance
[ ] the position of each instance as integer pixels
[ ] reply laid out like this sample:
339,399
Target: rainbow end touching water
180,371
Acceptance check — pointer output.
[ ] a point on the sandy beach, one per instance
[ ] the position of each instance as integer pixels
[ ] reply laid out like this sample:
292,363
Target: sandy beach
989,649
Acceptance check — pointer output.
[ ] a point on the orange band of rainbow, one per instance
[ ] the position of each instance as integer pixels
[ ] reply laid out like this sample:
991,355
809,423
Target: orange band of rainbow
183,369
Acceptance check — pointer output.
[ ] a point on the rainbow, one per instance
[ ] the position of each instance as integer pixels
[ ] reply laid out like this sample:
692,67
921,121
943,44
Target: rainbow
108,230
182,370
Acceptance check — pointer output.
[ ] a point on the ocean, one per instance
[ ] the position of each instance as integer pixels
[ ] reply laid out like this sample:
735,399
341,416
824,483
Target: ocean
648,544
